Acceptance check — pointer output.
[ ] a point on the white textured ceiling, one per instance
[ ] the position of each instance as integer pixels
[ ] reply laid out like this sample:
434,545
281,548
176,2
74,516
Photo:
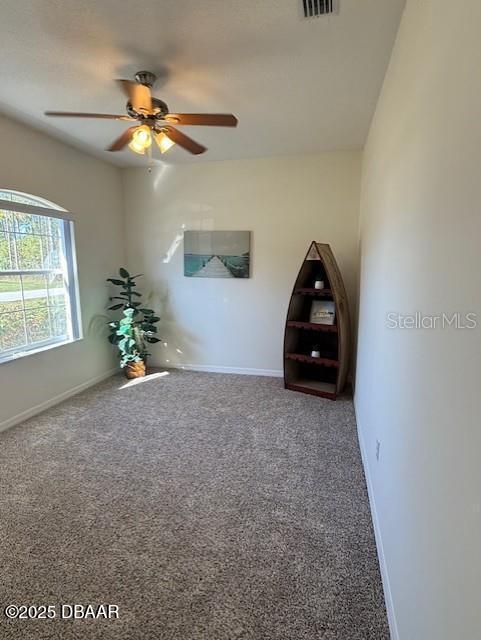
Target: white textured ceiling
296,85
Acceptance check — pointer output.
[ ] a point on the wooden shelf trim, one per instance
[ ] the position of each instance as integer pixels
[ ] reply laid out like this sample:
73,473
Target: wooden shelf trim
301,357
314,388
312,326
310,291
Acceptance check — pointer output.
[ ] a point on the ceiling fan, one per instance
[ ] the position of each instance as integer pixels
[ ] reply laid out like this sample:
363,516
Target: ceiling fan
153,119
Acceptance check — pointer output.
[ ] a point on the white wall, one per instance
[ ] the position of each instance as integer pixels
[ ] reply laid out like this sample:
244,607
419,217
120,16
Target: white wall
286,202
418,391
35,163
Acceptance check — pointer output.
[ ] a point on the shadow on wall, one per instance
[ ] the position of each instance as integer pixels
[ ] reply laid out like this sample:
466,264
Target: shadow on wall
179,346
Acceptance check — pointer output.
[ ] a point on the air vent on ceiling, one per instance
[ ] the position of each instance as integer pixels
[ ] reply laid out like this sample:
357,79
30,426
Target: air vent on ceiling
316,8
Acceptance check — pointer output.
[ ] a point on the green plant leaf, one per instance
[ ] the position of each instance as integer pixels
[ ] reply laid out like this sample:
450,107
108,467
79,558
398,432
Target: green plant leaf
126,343
124,330
115,307
124,273
148,327
153,318
146,312
135,293
151,339
115,281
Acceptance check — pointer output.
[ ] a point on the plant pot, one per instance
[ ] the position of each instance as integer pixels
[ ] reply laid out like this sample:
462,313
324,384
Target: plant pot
134,370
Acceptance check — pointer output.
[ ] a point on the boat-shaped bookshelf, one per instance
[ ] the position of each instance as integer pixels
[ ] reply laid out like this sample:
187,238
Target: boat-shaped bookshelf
317,336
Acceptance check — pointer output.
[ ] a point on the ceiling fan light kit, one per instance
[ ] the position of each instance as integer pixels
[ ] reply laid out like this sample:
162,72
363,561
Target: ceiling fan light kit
163,141
154,119
141,139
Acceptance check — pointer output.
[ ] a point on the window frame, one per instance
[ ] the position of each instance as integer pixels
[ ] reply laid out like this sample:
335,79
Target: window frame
50,210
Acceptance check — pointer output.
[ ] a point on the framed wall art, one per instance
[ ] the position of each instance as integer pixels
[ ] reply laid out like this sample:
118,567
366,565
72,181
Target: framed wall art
217,254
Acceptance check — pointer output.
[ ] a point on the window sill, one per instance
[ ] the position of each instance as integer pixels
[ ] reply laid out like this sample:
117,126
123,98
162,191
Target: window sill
12,357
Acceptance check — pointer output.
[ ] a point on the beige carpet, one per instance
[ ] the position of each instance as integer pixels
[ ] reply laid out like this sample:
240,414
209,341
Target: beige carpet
204,506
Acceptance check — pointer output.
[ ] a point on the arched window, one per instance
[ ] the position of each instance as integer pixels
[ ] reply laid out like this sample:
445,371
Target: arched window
38,284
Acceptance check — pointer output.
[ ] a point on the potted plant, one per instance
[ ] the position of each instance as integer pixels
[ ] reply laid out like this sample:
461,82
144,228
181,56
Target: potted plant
135,329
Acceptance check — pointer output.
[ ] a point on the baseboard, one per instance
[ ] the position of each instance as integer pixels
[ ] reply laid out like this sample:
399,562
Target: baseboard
391,615
29,413
271,373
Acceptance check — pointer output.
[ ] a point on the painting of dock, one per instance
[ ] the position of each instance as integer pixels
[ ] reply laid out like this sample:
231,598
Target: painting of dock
217,254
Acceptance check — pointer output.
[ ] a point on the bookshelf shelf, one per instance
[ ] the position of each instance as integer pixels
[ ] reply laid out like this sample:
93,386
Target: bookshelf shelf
323,376
312,326
314,388
301,357
317,293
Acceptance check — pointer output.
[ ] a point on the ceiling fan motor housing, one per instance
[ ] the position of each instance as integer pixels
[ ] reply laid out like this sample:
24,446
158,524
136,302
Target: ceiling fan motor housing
159,106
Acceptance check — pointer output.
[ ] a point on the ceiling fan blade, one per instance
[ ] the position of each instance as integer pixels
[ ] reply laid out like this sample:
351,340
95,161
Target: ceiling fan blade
184,141
71,114
138,94
123,140
205,119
